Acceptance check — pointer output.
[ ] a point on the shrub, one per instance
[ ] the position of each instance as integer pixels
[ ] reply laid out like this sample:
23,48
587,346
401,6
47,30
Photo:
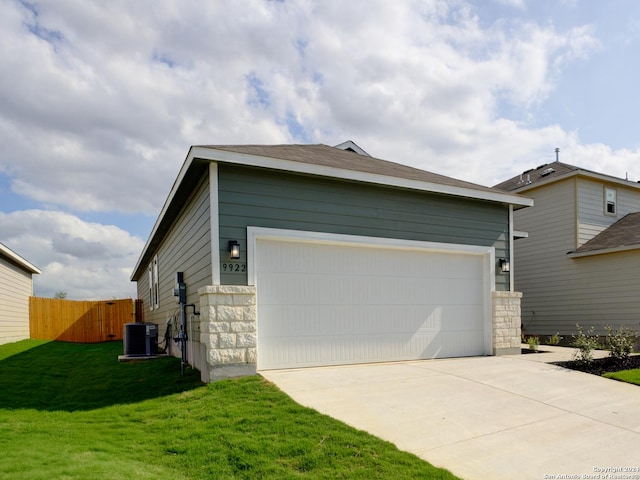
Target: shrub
585,343
533,342
554,339
620,343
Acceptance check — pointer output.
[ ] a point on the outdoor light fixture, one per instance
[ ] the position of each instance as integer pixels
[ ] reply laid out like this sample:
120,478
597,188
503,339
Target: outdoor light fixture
504,265
234,249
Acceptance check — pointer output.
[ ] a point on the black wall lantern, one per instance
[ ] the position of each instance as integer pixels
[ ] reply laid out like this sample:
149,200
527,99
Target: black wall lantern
234,249
504,265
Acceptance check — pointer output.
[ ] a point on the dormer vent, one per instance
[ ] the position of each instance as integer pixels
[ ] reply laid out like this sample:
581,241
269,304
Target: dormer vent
548,171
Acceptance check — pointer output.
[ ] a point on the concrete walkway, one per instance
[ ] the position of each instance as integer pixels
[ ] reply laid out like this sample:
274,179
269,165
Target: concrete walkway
513,417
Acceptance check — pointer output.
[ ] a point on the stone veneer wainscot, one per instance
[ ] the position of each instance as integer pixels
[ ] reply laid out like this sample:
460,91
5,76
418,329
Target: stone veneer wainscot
228,331
506,322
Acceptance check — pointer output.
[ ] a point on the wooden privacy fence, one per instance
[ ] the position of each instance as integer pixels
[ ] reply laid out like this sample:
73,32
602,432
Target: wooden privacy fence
79,321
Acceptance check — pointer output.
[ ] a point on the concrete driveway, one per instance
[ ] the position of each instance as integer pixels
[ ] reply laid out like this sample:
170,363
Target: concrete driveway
485,417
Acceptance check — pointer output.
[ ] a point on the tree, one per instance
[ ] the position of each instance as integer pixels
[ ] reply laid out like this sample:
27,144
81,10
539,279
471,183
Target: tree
60,294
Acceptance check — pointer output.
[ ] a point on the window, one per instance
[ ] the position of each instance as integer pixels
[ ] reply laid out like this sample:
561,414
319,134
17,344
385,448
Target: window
150,287
610,201
154,289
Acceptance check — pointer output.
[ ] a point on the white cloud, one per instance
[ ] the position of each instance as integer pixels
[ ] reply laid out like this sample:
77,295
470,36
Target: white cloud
87,260
118,90
105,98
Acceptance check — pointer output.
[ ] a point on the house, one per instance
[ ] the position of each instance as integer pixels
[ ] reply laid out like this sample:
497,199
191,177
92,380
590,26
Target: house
16,286
306,255
580,261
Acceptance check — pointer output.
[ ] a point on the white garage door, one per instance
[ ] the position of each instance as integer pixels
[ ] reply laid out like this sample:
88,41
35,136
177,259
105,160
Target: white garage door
332,304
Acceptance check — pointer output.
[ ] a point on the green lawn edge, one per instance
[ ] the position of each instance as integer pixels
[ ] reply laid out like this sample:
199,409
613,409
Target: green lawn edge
72,411
628,376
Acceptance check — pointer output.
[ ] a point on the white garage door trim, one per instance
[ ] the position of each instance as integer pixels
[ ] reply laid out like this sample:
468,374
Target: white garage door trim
486,253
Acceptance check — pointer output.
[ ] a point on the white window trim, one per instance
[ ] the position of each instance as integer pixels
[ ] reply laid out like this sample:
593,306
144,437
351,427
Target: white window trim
156,287
150,278
615,201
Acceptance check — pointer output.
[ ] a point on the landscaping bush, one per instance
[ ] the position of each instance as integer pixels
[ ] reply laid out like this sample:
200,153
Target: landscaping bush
620,343
554,339
585,343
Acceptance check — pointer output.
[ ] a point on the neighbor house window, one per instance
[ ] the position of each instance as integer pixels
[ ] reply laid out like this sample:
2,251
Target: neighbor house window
610,207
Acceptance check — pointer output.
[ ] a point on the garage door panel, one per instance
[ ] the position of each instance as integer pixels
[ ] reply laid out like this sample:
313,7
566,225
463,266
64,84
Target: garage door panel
313,351
336,320
304,289
336,304
291,257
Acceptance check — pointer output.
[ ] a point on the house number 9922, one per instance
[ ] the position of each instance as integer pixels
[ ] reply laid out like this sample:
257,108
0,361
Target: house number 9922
234,267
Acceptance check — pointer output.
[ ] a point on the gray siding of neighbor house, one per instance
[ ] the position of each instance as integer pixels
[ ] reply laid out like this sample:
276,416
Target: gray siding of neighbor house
606,291
185,248
15,289
591,217
543,273
261,198
559,291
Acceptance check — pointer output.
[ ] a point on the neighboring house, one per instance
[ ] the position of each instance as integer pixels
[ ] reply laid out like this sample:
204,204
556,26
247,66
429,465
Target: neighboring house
343,258
580,263
16,286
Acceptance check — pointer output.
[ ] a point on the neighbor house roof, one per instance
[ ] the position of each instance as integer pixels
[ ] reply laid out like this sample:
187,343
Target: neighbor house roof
620,236
552,172
13,257
346,161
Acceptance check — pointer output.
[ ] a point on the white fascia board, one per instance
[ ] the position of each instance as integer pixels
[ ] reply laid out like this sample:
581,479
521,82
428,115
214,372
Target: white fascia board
312,169
165,207
28,266
609,179
581,173
603,251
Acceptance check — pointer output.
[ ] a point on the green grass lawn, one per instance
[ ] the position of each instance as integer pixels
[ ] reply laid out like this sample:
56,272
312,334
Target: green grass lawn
70,411
629,376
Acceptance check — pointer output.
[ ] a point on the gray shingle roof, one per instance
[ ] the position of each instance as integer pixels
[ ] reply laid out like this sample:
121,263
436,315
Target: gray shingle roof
548,171
624,233
327,156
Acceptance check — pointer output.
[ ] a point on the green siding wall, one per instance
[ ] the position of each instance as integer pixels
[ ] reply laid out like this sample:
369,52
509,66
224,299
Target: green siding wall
262,198
185,248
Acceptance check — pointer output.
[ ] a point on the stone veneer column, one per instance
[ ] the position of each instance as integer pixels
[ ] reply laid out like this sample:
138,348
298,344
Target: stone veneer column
506,323
228,331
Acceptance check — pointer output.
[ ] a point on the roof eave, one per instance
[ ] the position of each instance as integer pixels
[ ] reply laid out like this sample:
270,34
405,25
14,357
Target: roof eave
17,259
577,173
602,251
207,153
176,185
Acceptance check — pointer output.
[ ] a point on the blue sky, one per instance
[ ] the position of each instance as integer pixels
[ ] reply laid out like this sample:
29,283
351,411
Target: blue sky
100,102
